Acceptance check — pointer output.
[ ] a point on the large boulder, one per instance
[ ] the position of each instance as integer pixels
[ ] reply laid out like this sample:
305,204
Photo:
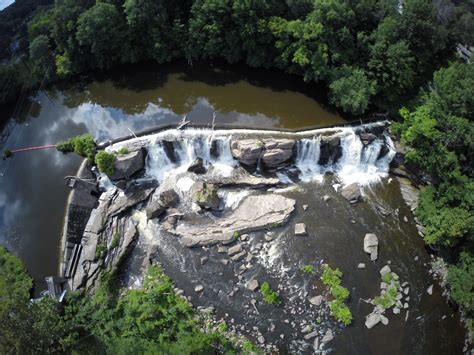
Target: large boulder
277,151
367,138
330,150
126,165
205,195
197,166
247,151
352,193
273,152
160,203
255,212
371,244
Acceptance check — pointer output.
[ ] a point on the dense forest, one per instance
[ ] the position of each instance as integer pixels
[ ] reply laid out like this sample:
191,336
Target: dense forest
371,55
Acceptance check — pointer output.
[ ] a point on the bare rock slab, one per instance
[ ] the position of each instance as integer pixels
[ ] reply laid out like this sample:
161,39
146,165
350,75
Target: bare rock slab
352,193
255,212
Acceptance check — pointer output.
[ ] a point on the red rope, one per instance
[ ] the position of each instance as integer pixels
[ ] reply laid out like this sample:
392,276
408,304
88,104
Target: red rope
33,148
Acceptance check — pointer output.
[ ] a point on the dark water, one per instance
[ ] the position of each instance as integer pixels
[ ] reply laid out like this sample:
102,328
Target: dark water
32,190
336,231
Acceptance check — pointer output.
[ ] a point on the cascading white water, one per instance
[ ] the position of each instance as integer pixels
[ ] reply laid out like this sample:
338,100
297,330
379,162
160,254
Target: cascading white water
358,163
308,152
158,163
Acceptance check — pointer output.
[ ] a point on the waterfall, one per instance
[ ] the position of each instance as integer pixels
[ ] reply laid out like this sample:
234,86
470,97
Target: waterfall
158,163
307,157
358,162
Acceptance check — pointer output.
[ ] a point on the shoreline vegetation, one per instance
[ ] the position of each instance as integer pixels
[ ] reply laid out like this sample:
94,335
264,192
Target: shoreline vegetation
368,54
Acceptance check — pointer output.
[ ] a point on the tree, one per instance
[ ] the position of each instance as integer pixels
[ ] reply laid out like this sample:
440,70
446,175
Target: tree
42,57
352,91
101,29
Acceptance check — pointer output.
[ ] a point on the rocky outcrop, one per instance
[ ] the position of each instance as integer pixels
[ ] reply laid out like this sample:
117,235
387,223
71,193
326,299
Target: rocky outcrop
197,166
367,138
273,152
330,150
247,151
126,200
205,195
277,152
160,203
352,193
126,165
255,212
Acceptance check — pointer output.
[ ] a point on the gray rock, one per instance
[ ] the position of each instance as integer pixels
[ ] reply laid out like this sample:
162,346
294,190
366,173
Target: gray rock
383,319
247,151
367,138
372,320
396,310
352,193
300,229
361,266
261,339
127,165
128,200
244,237
205,195
385,270
234,250
225,261
383,286
154,209
197,167
253,285
221,249
371,243
305,207
199,288
239,256
326,198
306,329
327,337
429,290
204,260
255,212
405,305
316,301
316,344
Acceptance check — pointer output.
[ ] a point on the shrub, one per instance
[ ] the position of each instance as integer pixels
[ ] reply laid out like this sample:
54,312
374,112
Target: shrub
115,240
332,279
269,296
100,250
83,145
105,162
307,268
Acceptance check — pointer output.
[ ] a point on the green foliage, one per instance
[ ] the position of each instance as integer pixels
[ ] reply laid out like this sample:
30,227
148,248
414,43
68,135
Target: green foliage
100,250
339,310
152,319
26,327
352,91
105,162
269,296
307,268
83,145
42,57
461,281
115,240
123,151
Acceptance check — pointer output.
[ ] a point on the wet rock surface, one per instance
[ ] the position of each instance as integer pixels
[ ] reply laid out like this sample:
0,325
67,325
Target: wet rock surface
126,165
253,214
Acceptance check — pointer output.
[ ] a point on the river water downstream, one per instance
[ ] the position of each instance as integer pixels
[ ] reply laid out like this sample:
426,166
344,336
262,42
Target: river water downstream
33,197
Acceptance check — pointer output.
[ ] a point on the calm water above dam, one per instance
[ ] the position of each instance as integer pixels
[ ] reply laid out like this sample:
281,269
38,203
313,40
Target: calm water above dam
33,194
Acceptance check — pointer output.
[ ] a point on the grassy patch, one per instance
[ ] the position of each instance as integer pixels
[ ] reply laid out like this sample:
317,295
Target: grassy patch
269,296
309,269
123,151
100,250
115,240
339,310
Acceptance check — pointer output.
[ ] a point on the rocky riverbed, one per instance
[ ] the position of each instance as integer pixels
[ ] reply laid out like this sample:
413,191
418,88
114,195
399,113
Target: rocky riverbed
224,213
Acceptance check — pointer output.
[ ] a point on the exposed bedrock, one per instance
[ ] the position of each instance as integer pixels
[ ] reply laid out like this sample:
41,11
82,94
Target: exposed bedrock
255,212
330,150
126,165
273,152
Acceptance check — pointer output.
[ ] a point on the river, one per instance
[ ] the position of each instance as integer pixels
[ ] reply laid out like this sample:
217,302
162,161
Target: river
33,194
